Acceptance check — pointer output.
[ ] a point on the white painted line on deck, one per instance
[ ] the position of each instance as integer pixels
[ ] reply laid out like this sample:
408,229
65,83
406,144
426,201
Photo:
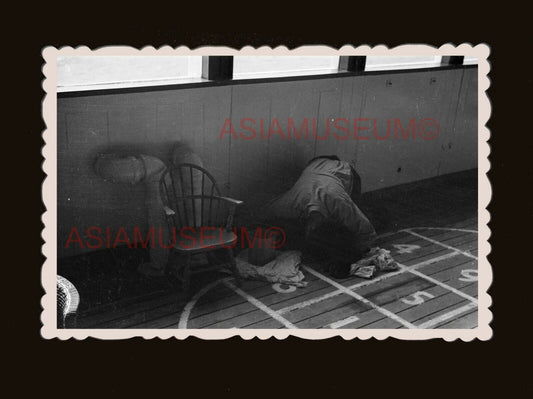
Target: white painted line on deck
342,289
309,302
444,228
342,323
258,304
411,267
447,316
186,312
382,277
360,298
469,255
440,283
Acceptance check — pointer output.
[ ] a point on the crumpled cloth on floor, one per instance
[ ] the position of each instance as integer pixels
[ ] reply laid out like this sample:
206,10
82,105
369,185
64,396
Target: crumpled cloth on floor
377,260
284,269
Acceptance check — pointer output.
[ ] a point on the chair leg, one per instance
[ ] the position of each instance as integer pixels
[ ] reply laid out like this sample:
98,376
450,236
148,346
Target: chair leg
233,265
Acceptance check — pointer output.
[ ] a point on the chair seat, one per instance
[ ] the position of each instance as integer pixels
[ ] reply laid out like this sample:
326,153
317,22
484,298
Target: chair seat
203,239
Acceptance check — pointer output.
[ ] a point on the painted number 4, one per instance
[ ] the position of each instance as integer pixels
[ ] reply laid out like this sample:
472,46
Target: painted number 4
417,298
405,248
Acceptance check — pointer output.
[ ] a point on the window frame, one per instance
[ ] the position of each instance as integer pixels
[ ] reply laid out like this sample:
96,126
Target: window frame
218,71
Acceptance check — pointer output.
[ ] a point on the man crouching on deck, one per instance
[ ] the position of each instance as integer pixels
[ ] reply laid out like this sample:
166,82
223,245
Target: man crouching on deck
320,207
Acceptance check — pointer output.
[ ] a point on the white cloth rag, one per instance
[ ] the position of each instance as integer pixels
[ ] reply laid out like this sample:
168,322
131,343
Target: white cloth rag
284,269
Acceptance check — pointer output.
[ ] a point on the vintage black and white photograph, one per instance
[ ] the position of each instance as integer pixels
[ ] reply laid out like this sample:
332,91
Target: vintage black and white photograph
266,192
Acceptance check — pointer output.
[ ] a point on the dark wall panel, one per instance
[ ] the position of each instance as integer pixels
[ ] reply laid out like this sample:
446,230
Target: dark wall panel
461,150
400,105
153,123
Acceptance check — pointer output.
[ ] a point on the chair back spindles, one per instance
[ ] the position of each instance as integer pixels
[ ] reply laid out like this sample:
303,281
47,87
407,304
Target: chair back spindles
183,189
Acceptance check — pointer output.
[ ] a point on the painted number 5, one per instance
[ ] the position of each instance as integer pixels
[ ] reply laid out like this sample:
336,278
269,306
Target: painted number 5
417,298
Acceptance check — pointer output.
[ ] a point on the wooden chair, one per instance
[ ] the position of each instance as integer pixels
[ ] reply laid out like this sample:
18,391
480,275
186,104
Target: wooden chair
199,218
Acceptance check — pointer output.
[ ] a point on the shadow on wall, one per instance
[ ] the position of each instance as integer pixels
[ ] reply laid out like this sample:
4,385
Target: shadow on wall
119,189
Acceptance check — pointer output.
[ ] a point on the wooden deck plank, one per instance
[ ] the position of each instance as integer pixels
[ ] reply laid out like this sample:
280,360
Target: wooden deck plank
459,261
469,240
469,224
160,321
425,252
309,294
449,307
388,284
273,299
401,291
122,304
400,236
453,274
428,257
164,320
471,290
259,289
325,319
147,316
398,306
225,314
263,291
450,240
431,308
467,247
103,320
454,277
221,315
237,321
220,292
365,318
277,299
385,323
468,320
339,301
265,324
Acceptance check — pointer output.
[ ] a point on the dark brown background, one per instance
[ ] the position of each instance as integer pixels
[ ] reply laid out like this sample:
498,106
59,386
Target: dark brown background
255,367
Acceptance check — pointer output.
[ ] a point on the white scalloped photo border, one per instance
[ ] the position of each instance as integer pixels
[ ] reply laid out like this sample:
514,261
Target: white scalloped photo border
49,328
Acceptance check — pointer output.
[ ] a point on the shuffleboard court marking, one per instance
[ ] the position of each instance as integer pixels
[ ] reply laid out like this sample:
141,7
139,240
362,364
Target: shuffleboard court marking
442,228
186,312
468,275
364,283
447,316
278,288
343,322
360,298
417,298
276,315
467,254
405,248
260,305
439,283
